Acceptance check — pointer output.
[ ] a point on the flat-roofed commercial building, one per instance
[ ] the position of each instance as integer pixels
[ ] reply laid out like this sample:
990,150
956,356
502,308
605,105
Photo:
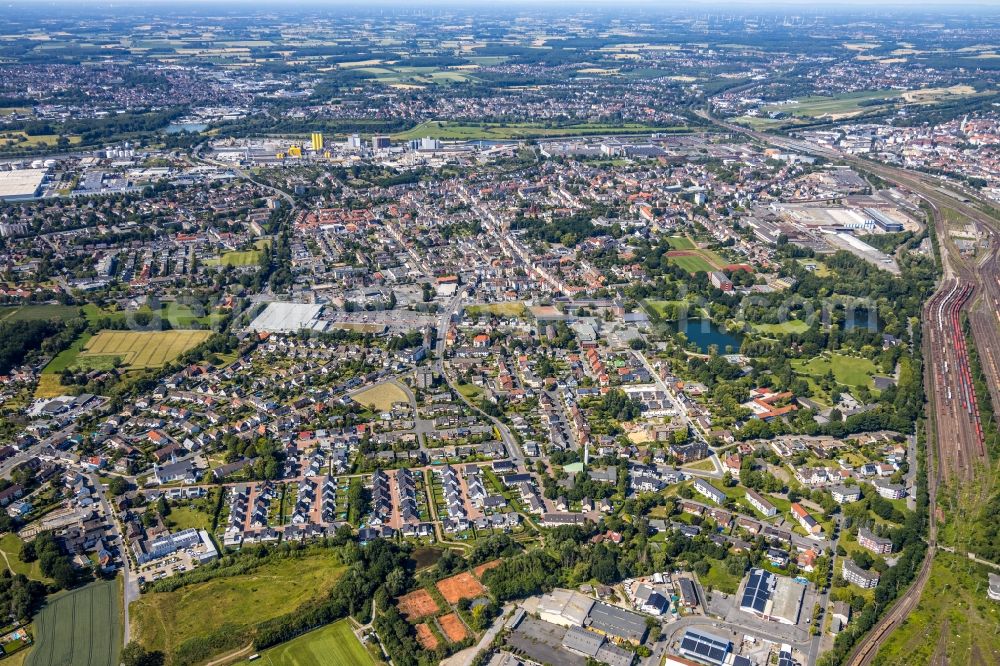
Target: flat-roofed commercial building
617,623
21,184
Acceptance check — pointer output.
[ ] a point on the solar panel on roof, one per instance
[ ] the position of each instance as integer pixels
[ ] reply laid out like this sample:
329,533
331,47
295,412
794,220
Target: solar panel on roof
705,646
757,591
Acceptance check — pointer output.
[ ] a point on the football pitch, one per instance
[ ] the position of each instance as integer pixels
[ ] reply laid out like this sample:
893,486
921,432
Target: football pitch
80,628
332,644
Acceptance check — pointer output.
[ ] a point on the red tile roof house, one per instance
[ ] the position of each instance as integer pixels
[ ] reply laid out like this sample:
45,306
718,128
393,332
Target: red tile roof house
807,522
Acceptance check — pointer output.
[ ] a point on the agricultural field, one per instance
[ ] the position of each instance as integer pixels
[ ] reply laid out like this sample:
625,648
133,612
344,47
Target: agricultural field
141,349
164,620
332,644
79,628
847,370
381,396
39,312
506,309
409,77
954,622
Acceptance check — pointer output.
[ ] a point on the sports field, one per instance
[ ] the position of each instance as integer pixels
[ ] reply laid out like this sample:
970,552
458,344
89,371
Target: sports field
332,644
381,396
79,628
141,349
696,261
417,604
460,586
236,258
452,627
680,243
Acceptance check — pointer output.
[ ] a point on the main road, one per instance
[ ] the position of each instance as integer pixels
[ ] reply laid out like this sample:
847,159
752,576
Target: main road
444,323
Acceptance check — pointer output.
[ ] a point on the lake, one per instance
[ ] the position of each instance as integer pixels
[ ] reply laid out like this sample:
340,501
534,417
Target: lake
704,333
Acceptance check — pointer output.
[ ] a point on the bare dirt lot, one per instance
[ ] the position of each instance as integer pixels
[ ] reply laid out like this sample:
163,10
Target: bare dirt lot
460,586
417,604
483,568
452,627
426,637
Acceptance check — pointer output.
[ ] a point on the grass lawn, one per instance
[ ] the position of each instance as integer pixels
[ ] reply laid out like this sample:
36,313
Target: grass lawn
790,326
11,544
820,270
847,370
184,517
79,628
470,391
705,465
164,620
381,396
954,622
181,315
718,578
67,358
505,309
332,644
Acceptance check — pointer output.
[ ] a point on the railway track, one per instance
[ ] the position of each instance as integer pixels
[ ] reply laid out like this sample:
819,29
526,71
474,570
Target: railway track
954,422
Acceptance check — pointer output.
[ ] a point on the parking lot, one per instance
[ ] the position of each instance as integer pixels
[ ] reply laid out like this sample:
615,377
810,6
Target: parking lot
175,563
542,641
